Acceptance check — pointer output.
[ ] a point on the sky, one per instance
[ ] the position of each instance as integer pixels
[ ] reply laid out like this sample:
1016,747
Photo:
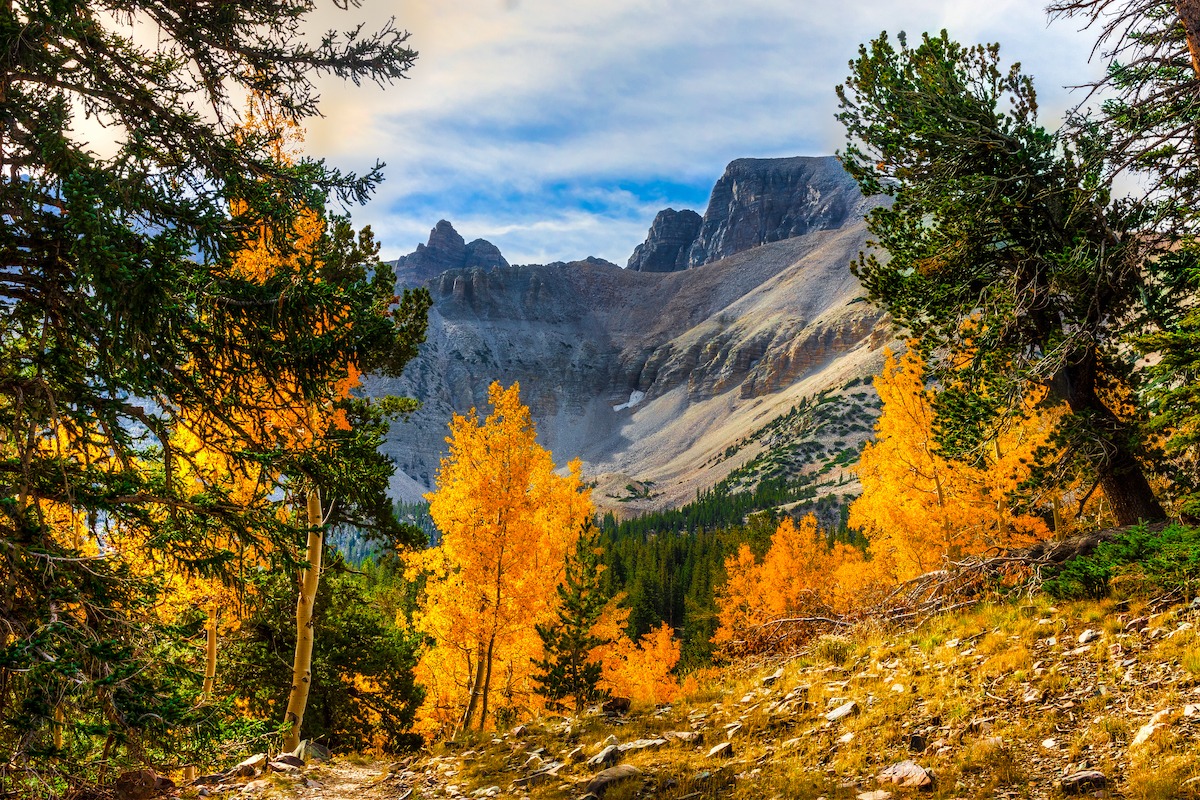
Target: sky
557,129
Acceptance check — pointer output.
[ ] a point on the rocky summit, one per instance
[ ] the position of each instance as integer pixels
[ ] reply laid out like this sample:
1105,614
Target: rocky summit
658,377
445,250
668,243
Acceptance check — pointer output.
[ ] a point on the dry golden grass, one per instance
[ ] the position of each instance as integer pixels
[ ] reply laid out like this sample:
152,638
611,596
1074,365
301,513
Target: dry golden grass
999,700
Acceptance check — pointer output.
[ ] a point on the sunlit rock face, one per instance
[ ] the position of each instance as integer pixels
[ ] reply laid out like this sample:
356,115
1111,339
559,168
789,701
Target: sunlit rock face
761,200
647,373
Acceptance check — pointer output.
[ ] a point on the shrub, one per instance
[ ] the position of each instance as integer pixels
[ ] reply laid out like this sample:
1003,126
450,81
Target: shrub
1139,561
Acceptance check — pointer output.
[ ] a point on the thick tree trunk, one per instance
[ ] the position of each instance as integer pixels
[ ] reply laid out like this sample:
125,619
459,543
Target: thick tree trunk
1120,475
1189,15
302,664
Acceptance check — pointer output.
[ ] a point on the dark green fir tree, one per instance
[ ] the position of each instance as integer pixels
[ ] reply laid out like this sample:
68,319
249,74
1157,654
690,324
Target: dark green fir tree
566,671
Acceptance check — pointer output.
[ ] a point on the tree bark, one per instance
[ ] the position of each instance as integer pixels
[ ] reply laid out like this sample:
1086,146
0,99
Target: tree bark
1120,475
210,647
487,682
302,664
1189,15
473,697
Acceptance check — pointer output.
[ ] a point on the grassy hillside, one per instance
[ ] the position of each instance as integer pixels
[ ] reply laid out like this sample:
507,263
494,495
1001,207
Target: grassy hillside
1007,699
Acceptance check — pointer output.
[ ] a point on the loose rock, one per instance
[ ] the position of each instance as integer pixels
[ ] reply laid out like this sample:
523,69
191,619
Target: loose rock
602,781
608,755
1087,780
842,711
722,750
907,774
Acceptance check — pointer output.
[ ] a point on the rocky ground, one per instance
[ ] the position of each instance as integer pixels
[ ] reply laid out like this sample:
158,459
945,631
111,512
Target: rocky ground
1014,700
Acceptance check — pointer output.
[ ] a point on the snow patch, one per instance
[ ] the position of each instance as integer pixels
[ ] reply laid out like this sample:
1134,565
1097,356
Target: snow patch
635,397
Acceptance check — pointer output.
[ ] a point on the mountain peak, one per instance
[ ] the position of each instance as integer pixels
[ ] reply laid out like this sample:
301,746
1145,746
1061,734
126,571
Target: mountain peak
756,201
446,249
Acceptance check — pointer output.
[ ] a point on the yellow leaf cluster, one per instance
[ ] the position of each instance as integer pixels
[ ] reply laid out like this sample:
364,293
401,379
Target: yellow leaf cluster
918,508
638,670
800,576
507,521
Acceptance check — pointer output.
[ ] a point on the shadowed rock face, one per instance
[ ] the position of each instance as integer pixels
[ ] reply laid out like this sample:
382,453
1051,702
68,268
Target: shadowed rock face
445,250
666,246
648,375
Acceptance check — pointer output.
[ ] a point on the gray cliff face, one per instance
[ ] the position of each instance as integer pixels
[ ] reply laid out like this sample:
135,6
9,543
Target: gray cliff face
667,243
760,200
445,250
646,374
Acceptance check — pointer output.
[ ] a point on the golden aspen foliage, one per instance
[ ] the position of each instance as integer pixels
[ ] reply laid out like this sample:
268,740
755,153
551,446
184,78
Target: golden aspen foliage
638,670
919,509
507,521
800,575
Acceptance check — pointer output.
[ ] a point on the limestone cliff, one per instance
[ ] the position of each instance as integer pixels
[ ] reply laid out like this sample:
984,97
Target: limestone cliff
649,375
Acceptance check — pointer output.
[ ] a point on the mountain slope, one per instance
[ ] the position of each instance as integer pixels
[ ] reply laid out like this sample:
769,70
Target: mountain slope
650,376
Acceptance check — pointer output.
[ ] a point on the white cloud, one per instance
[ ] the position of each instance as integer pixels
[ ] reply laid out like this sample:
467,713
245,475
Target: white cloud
522,121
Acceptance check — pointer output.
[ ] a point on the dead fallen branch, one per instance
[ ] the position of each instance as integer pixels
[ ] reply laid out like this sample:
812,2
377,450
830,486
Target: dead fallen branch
960,584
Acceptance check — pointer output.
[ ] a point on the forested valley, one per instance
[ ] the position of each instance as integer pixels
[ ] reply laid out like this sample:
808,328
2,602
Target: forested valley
200,561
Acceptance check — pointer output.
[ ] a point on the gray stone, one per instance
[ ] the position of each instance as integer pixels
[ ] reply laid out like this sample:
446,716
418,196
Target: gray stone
141,784
907,774
1088,780
608,755
722,750
641,744
842,711
760,200
249,767
606,779
445,250
769,680
667,243
312,751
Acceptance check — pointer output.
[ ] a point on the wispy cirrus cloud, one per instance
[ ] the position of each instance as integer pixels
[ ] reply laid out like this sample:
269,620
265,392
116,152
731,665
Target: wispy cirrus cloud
557,129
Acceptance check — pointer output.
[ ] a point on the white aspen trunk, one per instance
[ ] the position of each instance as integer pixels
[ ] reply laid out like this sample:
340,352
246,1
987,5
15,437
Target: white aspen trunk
302,664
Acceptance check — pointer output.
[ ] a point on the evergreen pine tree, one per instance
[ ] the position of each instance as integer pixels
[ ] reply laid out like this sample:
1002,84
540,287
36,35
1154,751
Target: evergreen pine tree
566,671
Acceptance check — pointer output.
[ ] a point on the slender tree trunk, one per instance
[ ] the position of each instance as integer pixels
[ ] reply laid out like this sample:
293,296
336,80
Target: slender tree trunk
60,719
210,666
473,697
1120,475
487,682
210,670
302,664
1189,15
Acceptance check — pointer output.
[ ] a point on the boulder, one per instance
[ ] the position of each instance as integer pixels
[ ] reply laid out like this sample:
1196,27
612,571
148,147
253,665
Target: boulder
1084,781
616,705
608,755
907,774
249,767
141,784
602,781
